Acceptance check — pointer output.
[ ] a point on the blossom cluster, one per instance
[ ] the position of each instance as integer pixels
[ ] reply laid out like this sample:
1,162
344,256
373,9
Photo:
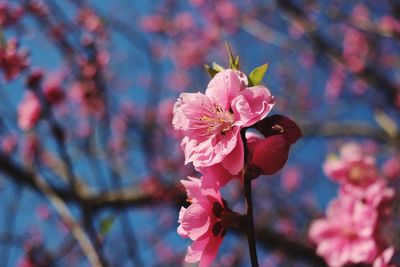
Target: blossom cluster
351,231
213,126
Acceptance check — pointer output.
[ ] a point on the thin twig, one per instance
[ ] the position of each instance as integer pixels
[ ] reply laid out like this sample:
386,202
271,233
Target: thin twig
69,220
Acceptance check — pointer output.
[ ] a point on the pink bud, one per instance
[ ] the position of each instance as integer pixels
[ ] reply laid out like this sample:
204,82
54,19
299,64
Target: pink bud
280,125
270,154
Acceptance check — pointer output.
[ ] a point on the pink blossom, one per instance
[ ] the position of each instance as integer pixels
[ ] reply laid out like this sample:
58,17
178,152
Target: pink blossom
153,23
53,91
12,59
268,155
10,14
9,143
201,222
334,85
355,49
391,168
90,21
29,111
353,166
290,179
212,121
346,235
383,260
377,194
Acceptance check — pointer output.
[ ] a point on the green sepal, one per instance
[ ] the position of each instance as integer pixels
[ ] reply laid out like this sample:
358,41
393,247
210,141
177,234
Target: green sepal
257,75
233,61
214,69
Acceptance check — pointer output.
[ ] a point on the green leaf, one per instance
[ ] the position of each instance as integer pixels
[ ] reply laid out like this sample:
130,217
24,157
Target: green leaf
233,61
214,69
211,70
256,76
106,224
217,67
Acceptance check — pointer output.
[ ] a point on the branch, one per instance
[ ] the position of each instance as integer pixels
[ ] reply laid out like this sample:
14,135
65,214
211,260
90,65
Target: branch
69,220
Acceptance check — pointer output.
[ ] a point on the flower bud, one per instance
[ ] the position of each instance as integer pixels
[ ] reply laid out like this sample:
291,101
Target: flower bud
270,154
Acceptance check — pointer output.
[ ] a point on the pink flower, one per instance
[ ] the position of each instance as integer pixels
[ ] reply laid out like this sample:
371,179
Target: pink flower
12,59
269,154
29,111
53,91
377,194
391,168
353,166
212,121
383,260
291,178
201,222
346,235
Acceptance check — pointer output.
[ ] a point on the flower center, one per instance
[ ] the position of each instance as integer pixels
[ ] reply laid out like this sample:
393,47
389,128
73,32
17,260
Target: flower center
218,121
356,174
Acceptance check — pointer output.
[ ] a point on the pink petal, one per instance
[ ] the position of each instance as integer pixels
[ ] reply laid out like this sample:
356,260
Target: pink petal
194,190
234,161
196,250
363,250
252,105
215,176
224,87
322,229
180,229
210,251
196,220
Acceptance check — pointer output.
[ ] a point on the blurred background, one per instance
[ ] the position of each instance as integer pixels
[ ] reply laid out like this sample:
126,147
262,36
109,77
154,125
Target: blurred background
89,162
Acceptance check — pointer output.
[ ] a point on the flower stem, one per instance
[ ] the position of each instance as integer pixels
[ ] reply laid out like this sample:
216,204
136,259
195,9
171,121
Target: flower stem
250,222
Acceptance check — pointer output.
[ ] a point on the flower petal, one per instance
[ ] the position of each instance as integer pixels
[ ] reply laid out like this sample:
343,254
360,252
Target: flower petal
196,220
224,87
252,105
196,250
210,251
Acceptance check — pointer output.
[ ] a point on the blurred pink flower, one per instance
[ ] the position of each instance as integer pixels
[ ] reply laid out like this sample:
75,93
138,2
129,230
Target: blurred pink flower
212,122
391,168
201,222
9,143
353,166
346,235
12,59
383,260
290,179
355,49
10,14
29,111
376,194
153,23
53,91
26,262
90,21
334,85
389,25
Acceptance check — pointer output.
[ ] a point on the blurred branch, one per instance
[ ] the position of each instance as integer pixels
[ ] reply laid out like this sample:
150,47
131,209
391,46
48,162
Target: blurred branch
351,129
292,248
369,74
69,220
